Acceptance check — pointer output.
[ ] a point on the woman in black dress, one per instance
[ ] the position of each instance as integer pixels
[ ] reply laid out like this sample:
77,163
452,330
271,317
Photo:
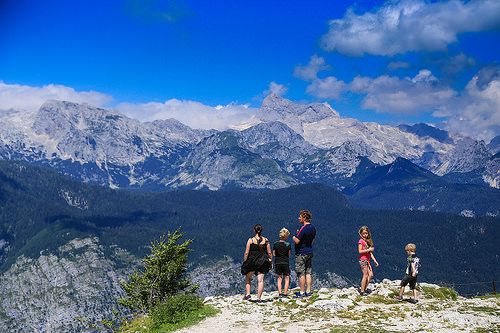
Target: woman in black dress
257,260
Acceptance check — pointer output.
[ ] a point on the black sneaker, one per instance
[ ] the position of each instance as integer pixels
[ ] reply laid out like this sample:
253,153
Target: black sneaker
246,297
308,294
414,301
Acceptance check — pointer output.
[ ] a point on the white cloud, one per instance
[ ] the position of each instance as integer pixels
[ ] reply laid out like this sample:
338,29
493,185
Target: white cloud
310,71
410,25
328,88
476,112
31,98
277,89
193,114
409,96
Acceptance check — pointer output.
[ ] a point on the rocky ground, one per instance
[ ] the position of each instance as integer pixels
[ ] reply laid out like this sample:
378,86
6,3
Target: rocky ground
344,310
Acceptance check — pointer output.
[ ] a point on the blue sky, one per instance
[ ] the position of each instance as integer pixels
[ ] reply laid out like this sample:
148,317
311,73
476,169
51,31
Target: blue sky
211,63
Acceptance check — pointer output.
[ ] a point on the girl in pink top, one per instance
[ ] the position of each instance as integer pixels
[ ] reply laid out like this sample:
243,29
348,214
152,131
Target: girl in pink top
365,249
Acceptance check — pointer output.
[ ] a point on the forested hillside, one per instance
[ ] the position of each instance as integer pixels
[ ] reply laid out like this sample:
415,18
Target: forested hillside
41,210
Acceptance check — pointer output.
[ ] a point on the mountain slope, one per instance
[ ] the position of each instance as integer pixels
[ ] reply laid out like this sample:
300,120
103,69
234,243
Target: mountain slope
403,184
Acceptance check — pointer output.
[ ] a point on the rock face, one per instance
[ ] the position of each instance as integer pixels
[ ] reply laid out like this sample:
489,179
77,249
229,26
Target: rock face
343,310
51,293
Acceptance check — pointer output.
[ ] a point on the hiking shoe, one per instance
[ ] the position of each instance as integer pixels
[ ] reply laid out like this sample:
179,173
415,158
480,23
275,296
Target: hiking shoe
246,297
414,301
398,297
363,293
258,300
308,294
299,295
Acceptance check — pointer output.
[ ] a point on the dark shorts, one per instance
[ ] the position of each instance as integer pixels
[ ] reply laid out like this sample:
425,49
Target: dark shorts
303,264
282,269
410,280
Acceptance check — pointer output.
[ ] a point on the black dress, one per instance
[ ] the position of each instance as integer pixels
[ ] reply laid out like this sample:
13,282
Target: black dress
251,264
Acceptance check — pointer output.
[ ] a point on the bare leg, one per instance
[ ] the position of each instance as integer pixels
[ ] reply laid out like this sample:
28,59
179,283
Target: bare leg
365,280
260,284
370,276
279,284
308,282
287,283
248,282
302,283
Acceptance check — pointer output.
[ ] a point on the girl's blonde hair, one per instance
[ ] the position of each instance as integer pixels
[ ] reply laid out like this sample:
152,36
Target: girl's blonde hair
284,233
368,239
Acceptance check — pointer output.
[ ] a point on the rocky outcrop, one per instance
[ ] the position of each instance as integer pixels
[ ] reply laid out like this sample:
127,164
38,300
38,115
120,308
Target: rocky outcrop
51,293
343,310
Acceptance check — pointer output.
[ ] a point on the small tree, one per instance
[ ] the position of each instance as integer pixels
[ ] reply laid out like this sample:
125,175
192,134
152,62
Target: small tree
163,275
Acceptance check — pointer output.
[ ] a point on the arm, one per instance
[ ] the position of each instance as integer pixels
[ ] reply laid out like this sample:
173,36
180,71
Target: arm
361,251
374,260
413,269
296,240
247,249
270,253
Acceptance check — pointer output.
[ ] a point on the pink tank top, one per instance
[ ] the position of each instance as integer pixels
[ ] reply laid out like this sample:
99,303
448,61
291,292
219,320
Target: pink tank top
364,246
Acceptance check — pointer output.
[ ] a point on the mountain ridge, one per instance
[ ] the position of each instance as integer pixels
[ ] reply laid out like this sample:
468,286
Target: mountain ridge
292,144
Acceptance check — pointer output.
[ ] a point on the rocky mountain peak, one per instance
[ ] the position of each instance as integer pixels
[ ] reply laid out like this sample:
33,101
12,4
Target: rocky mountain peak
277,108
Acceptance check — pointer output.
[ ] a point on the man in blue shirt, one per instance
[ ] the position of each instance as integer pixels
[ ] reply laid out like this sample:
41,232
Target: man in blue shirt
304,253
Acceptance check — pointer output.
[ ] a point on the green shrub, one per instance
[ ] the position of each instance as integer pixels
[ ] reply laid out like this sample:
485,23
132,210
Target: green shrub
175,309
164,275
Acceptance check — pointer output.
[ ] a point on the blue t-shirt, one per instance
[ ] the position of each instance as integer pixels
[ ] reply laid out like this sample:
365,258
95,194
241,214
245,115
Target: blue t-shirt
306,236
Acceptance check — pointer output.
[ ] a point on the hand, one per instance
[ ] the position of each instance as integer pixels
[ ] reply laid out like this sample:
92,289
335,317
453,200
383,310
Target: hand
376,263
371,249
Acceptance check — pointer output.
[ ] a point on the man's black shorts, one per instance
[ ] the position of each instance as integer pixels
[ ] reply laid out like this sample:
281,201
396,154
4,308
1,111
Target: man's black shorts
282,269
